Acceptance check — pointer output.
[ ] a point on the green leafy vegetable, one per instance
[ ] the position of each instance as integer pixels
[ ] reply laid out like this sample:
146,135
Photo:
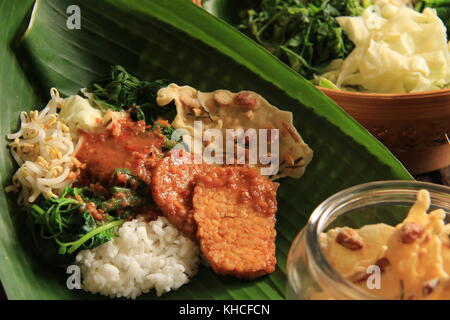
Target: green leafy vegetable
136,113
123,91
66,221
66,224
325,83
304,34
123,177
167,131
103,233
121,198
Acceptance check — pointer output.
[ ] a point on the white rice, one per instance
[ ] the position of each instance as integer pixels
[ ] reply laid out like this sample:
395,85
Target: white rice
144,256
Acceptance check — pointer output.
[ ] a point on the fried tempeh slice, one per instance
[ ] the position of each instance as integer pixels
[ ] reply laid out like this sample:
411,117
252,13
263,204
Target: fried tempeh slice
235,215
172,187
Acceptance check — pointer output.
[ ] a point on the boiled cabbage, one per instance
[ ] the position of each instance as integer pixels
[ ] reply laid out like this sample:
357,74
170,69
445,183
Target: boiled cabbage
397,50
79,114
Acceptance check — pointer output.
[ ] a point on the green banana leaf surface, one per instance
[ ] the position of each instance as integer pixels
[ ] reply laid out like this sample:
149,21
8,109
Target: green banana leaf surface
171,39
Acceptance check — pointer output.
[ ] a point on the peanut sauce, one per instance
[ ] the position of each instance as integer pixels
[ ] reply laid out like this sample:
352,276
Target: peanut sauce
126,145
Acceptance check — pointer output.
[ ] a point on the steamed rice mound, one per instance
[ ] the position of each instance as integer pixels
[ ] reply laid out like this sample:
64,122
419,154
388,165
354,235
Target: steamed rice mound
144,256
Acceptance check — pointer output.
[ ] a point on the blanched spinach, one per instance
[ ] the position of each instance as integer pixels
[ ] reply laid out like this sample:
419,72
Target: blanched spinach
302,33
66,221
123,91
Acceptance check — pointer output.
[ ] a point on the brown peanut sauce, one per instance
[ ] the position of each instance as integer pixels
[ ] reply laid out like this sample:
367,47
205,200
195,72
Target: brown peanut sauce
127,144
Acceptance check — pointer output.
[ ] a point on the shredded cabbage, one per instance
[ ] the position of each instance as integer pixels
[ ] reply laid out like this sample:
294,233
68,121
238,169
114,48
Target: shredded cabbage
79,114
397,50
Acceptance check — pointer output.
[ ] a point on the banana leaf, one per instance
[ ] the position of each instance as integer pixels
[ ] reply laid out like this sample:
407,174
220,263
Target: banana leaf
176,40
228,11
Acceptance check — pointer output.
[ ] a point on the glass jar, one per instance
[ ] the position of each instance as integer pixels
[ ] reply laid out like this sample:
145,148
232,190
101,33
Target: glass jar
310,276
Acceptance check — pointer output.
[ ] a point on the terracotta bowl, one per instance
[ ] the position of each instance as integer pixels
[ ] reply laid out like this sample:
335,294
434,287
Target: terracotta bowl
414,126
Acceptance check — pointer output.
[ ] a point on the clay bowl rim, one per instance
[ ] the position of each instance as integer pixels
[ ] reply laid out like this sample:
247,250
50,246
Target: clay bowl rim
388,96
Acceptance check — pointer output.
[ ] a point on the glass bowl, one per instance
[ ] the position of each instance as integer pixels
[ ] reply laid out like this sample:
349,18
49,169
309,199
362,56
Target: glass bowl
310,276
